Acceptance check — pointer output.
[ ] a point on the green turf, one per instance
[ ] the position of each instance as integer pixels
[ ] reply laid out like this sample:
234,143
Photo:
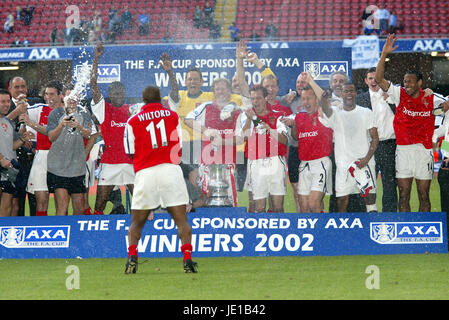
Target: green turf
289,204
402,277
261,278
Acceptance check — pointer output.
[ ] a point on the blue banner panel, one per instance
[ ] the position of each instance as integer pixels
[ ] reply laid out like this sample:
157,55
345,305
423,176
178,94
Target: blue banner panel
138,66
66,53
230,232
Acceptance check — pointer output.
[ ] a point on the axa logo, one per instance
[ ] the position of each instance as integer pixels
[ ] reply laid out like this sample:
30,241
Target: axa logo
199,47
406,232
44,54
35,236
322,70
430,45
274,45
107,73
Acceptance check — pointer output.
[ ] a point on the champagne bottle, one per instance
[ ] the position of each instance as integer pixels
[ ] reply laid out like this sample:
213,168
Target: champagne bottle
256,120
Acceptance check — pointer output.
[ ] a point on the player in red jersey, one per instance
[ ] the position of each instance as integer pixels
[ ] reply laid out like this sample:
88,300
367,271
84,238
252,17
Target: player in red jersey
314,148
271,83
153,139
217,120
265,149
265,142
116,167
414,126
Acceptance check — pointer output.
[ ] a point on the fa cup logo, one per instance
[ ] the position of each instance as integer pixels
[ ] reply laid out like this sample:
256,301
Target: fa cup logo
312,68
11,236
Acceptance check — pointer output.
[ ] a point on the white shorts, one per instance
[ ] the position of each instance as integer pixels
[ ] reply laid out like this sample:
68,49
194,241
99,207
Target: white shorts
37,181
315,175
267,177
345,184
90,165
414,161
89,181
247,185
120,174
162,185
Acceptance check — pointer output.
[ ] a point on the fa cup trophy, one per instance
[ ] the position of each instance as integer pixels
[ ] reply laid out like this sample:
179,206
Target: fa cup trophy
218,188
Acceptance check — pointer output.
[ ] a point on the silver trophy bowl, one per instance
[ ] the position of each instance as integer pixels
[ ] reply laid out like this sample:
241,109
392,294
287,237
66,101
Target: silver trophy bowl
218,187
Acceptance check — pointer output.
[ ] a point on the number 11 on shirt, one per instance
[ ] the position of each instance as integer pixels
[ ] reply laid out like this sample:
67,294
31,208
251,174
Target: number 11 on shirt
151,129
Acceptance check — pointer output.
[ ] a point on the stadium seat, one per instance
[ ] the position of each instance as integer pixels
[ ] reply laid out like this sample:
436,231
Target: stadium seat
343,16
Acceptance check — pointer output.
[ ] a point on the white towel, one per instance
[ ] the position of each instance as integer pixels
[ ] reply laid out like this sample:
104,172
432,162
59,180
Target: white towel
362,177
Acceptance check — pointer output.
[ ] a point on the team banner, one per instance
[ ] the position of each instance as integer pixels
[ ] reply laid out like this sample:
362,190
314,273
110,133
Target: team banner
230,232
138,66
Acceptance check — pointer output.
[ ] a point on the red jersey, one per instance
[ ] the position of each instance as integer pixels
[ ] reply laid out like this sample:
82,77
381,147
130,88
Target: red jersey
42,141
153,137
112,129
314,139
260,146
413,121
278,107
226,153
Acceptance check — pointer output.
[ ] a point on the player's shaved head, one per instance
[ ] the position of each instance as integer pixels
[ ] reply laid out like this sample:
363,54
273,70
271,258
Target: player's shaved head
151,94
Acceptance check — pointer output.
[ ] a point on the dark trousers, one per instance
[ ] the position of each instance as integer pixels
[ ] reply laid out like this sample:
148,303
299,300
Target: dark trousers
25,159
443,181
31,204
385,157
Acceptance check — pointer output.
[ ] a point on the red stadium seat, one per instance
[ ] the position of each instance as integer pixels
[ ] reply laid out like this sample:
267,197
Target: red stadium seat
293,33
341,18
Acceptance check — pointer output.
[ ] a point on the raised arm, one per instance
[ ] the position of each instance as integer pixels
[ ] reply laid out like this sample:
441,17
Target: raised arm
315,87
96,94
167,66
325,103
380,70
240,54
254,59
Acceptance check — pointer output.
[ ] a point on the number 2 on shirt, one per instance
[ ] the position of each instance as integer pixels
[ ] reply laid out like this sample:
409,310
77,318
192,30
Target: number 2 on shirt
151,129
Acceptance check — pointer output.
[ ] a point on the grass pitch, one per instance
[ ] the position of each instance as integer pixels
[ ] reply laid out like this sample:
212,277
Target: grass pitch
399,277
424,277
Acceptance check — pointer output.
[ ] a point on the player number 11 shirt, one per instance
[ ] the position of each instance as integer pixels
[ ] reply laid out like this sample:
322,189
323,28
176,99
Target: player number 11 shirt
153,136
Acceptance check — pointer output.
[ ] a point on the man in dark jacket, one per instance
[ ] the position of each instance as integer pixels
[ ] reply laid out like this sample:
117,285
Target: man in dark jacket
377,100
